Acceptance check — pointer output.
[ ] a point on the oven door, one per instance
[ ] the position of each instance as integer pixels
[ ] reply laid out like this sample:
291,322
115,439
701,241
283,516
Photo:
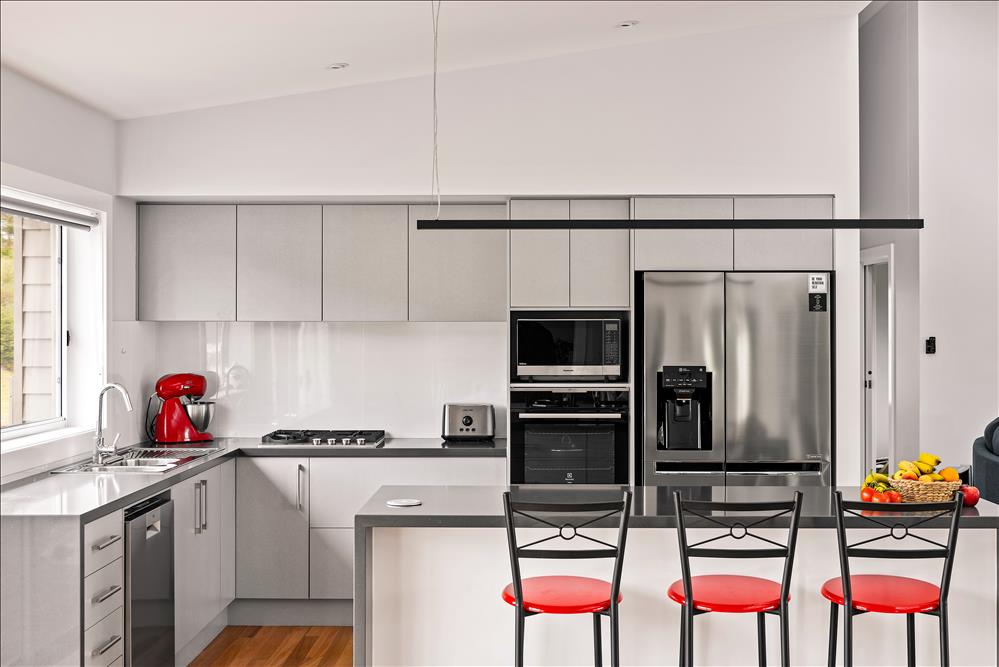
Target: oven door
569,448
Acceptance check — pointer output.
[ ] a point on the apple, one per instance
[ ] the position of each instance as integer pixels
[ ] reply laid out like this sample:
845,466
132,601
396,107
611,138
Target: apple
971,495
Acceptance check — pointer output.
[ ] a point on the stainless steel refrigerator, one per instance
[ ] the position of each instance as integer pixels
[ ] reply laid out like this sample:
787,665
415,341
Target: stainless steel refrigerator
736,378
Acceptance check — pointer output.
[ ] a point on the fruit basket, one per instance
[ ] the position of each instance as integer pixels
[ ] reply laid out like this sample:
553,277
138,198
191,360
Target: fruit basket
914,491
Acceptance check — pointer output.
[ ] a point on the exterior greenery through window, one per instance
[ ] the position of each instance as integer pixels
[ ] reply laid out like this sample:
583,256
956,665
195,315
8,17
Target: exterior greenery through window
31,327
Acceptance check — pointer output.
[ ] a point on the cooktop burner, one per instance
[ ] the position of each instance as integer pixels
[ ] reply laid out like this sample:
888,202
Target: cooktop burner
325,438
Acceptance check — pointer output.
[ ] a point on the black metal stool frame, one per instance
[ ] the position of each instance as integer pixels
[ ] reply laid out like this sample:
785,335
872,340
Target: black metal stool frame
608,509
696,550
881,517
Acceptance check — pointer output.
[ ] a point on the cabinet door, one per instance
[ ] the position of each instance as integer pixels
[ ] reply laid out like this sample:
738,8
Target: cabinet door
458,275
783,249
365,266
599,259
272,527
539,258
331,564
197,558
683,249
227,530
187,262
340,486
279,262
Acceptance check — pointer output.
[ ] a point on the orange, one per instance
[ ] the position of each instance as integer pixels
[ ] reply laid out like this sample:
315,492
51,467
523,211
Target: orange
949,475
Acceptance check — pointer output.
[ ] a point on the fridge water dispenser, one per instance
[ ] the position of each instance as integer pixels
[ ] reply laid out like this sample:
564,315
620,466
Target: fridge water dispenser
684,407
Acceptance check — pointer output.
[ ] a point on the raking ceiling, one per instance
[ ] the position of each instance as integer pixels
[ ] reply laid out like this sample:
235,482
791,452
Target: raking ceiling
133,59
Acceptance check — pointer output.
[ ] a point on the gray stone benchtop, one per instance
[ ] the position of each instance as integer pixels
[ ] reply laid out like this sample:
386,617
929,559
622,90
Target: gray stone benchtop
652,507
39,493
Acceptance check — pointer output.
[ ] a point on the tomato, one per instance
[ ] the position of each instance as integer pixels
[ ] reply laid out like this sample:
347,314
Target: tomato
866,493
971,495
879,497
894,496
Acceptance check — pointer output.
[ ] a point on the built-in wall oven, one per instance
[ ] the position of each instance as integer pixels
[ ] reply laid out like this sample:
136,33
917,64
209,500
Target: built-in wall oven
568,346
569,436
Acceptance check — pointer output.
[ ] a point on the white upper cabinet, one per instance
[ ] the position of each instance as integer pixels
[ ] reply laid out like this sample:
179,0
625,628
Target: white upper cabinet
600,259
683,249
458,275
279,262
187,262
783,249
365,263
539,258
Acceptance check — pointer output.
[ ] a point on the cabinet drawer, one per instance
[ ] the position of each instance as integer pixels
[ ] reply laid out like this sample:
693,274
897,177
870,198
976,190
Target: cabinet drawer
331,563
103,541
105,642
103,591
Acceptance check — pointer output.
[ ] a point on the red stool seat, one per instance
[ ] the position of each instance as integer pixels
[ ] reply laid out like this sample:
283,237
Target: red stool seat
729,593
885,593
562,595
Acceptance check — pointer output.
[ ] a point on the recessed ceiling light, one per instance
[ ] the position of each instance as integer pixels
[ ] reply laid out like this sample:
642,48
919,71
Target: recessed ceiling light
338,66
627,24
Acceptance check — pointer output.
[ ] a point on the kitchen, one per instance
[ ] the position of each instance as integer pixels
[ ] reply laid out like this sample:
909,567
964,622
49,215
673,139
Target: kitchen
316,339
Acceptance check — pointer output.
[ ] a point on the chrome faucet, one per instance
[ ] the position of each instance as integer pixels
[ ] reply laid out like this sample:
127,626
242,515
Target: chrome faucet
102,451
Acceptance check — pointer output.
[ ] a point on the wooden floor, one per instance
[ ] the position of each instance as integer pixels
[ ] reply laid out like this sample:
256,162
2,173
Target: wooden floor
279,645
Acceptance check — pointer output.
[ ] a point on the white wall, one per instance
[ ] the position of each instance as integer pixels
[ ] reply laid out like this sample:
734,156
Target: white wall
51,134
959,198
388,375
889,184
764,110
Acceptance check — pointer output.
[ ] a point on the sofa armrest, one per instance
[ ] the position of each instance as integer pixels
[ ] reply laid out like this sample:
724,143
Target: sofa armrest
985,470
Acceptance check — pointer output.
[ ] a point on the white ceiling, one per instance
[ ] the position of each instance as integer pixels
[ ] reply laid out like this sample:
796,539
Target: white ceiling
133,59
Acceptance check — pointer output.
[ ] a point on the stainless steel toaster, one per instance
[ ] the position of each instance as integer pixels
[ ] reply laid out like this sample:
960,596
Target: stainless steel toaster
468,421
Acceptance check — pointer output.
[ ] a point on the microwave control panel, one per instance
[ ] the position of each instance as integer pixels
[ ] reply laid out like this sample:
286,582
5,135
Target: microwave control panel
612,342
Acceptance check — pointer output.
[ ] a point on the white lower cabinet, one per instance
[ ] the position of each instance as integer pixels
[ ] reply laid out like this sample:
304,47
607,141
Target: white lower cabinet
341,486
228,533
272,527
104,642
103,590
331,563
197,554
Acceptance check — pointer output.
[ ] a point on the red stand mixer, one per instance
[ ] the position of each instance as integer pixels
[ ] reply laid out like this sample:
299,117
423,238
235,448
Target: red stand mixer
182,417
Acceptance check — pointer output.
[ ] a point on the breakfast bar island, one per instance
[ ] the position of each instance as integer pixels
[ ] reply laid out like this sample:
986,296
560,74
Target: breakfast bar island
428,581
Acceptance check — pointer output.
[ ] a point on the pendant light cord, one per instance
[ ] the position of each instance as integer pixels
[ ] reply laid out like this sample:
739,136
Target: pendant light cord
435,183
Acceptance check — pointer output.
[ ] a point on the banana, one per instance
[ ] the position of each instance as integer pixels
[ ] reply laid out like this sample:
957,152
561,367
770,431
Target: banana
869,479
930,459
926,478
937,477
909,466
897,475
924,467
882,479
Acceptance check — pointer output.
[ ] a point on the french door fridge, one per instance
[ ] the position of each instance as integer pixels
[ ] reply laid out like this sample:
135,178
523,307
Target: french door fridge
764,340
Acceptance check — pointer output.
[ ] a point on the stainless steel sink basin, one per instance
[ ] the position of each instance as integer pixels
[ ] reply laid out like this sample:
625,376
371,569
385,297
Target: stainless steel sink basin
145,460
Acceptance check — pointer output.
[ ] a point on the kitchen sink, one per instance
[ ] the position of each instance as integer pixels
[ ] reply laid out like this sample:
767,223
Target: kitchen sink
145,460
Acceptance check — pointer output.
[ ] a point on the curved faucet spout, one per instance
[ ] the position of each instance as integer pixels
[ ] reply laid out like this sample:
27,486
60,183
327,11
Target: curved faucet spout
100,449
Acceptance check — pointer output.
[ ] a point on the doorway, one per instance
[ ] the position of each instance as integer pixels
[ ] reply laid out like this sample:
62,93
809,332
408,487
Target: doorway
879,355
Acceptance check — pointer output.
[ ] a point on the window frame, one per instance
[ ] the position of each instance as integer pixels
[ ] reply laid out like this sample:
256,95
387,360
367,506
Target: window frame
60,327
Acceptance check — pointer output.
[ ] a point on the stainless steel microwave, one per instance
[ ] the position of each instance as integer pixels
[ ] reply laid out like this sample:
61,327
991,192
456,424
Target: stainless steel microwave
560,346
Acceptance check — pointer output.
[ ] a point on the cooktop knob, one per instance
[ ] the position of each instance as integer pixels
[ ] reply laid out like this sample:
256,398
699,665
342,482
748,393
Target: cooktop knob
344,441
330,441
361,441
317,441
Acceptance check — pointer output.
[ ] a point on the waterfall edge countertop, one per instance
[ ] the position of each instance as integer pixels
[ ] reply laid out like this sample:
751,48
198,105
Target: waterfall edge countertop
38,493
652,507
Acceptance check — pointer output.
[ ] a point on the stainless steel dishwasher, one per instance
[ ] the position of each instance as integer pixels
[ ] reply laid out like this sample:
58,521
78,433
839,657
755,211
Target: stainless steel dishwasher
149,607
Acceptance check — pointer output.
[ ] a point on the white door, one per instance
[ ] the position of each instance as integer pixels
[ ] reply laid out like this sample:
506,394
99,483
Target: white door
879,356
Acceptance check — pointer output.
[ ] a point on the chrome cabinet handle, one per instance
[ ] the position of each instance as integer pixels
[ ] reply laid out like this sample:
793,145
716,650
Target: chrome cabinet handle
204,504
197,508
298,501
101,650
106,543
97,599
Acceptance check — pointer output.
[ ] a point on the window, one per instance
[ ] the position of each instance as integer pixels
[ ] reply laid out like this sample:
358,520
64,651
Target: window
31,323
34,336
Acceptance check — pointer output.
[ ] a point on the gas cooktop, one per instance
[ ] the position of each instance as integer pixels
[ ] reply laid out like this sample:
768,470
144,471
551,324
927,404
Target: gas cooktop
325,438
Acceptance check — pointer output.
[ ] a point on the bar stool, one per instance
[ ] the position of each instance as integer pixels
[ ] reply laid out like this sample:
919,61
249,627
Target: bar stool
727,593
890,594
559,594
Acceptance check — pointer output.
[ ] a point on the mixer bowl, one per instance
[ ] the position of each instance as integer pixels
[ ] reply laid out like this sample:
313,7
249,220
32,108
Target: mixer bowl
200,413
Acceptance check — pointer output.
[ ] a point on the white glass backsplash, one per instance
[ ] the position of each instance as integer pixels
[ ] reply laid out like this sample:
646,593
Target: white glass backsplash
390,375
